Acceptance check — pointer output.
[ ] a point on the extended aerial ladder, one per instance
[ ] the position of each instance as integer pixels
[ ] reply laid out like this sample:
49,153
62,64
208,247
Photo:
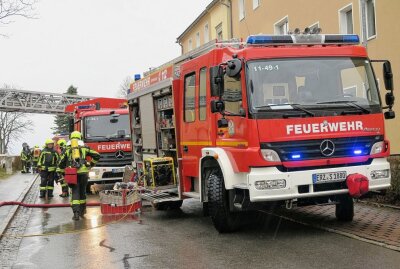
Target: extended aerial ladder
12,100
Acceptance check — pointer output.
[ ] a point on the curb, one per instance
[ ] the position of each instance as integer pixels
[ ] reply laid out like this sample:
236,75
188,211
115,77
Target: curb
378,204
11,214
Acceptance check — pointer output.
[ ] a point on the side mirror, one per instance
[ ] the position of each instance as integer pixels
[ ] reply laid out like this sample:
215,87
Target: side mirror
217,106
234,67
389,99
390,115
388,75
71,123
217,80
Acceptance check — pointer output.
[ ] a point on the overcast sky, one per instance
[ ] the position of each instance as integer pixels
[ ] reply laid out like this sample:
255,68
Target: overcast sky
91,44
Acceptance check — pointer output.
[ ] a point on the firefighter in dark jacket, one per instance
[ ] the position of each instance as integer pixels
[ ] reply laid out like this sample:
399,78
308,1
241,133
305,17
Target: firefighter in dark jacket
25,158
62,144
47,165
76,156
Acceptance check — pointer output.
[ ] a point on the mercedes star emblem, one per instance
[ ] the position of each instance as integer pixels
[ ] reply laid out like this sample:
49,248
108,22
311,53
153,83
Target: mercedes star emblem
327,148
119,154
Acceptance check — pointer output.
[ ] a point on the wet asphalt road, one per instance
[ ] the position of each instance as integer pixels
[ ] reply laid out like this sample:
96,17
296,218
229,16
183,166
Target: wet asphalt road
186,239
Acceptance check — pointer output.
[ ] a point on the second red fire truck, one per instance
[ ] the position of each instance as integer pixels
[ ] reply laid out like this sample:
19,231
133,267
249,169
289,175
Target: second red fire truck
104,124
289,119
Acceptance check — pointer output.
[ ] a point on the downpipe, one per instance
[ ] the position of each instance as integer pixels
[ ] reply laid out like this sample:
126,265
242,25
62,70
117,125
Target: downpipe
10,203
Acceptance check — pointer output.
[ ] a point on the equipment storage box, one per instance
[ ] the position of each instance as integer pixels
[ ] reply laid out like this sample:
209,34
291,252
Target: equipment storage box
119,201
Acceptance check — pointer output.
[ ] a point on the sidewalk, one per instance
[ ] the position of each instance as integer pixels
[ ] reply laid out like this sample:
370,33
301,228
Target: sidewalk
372,223
11,188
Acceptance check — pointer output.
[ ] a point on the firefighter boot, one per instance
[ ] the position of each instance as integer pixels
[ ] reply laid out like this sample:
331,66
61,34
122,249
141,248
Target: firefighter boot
64,194
82,211
50,193
42,194
76,216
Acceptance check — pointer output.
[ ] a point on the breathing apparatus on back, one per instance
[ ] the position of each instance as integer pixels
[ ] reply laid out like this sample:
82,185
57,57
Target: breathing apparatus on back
76,157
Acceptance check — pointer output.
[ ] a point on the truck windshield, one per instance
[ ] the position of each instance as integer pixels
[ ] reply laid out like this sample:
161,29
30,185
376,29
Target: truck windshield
107,127
330,85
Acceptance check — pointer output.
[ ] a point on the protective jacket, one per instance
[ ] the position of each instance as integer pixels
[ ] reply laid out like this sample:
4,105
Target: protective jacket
48,160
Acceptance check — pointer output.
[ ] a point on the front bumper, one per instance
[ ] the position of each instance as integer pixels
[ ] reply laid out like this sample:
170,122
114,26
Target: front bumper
106,173
302,178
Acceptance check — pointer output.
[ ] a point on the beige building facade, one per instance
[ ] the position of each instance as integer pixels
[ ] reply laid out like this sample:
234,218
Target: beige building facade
213,23
375,21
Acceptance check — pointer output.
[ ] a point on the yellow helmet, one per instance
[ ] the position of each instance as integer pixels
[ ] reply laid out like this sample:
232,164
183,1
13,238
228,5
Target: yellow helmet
75,134
61,142
48,141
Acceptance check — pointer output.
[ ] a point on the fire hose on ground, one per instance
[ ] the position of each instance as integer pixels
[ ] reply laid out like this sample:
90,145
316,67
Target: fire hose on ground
10,203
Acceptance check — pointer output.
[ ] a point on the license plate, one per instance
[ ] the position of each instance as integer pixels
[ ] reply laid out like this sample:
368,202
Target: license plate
117,170
329,177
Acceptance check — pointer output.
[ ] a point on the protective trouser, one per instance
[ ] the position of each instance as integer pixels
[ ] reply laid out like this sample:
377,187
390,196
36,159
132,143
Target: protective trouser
64,186
78,194
46,183
23,163
34,167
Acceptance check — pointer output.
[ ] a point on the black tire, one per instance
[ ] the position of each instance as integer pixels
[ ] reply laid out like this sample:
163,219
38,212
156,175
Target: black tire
218,205
345,209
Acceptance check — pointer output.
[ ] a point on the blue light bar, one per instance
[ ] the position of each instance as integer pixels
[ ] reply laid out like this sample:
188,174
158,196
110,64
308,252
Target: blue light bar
85,107
296,156
269,39
357,151
302,39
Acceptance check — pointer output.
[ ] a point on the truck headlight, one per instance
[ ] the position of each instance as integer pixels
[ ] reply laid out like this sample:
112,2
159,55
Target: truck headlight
378,147
270,184
377,174
270,155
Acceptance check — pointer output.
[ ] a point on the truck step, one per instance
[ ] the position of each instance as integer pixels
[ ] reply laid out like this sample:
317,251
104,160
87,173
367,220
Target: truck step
192,194
159,197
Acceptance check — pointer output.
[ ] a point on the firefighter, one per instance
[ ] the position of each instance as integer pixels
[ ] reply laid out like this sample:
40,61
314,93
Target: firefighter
75,156
35,153
60,178
47,165
25,158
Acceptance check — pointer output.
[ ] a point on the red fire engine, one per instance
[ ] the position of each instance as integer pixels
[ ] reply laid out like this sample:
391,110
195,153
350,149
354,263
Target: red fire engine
289,119
104,124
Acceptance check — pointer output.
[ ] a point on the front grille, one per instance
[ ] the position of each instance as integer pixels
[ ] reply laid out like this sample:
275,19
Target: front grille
110,160
310,149
112,175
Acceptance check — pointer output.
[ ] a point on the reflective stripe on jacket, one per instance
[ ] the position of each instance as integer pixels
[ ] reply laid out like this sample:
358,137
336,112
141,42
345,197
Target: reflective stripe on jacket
66,159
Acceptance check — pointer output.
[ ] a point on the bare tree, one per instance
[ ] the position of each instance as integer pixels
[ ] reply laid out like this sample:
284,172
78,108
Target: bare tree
12,126
16,8
124,87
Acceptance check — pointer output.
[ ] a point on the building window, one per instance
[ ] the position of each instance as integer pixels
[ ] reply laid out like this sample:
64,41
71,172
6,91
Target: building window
241,10
206,34
218,30
190,46
256,3
370,14
202,94
346,19
282,26
189,104
197,39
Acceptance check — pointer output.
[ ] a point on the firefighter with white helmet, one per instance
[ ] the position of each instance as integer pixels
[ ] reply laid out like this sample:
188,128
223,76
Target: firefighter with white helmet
47,165
35,158
75,159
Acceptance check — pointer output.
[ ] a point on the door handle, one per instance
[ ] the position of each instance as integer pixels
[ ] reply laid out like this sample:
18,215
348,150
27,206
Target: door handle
185,148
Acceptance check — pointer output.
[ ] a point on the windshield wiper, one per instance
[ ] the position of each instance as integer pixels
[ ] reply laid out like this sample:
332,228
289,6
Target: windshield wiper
350,103
294,106
99,136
